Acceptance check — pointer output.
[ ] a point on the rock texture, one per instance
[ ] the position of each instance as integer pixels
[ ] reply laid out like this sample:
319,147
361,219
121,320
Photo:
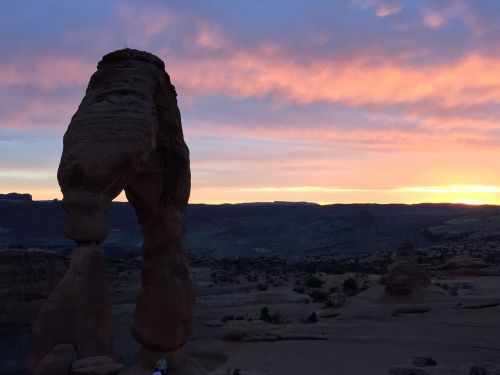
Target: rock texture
99,365
126,135
29,275
58,361
464,264
404,273
78,311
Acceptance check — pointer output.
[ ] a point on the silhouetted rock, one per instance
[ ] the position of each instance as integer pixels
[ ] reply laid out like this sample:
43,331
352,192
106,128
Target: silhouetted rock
16,197
101,365
463,264
58,361
126,135
78,311
404,273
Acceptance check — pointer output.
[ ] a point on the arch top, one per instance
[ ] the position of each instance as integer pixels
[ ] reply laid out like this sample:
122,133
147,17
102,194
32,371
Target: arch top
131,54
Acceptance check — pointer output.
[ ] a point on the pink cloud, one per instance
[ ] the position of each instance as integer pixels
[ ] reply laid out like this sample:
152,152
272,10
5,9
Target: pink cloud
385,11
434,19
50,114
383,8
475,79
49,72
209,36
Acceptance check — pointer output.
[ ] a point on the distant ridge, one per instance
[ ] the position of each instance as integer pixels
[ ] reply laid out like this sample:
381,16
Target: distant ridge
16,197
269,228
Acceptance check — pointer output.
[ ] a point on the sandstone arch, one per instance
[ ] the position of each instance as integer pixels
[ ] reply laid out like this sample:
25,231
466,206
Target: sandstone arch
126,135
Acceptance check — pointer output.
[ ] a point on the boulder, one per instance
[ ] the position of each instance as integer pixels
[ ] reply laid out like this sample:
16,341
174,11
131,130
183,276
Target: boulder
57,362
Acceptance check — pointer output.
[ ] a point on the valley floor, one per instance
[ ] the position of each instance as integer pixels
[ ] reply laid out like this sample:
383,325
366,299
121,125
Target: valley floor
455,321
370,334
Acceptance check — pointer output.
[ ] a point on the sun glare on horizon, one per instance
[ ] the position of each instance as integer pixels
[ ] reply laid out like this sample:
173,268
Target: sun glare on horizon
404,110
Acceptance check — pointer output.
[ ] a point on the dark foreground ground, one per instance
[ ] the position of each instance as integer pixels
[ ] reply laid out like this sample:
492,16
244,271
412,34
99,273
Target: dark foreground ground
317,315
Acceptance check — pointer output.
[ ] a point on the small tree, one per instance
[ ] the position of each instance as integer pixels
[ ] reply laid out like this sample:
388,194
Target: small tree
264,314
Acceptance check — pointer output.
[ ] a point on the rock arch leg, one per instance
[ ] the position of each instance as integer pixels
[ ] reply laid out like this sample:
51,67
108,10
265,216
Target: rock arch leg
164,309
78,312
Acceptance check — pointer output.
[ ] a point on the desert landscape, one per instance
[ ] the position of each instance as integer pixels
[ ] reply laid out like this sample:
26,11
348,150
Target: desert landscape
253,187
275,314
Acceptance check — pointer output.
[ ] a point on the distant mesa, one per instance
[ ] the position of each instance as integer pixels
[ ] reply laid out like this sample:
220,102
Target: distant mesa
16,197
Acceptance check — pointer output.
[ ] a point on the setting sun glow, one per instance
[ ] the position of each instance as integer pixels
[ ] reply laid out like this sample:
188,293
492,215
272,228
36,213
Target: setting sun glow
341,102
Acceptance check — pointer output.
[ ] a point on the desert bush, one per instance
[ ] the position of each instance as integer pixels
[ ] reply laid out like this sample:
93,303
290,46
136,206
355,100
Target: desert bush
264,314
262,287
313,282
335,301
312,318
350,287
299,289
227,318
318,296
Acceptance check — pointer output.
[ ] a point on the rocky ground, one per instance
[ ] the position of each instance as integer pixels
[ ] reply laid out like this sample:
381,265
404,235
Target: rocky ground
318,315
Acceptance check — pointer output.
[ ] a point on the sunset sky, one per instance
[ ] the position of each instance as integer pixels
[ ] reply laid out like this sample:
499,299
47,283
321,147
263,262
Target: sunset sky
298,100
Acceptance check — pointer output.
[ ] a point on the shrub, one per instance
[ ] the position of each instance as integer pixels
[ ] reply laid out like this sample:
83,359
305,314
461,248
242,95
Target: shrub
336,301
299,289
312,318
318,296
262,287
264,314
350,287
313,282
227,318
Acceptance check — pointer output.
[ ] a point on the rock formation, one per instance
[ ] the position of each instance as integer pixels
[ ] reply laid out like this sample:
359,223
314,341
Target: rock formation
58,361
126,135
464,264
28,276
404,273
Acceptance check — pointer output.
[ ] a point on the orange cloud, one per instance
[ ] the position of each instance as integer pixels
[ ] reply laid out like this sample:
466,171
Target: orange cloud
473,80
